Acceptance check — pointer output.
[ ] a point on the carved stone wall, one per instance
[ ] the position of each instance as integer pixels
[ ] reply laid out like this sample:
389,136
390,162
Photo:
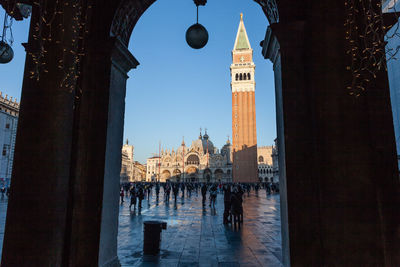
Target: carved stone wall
270,9
128,13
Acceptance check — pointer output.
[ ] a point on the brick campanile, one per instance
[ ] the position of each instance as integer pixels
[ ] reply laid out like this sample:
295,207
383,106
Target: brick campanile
244,134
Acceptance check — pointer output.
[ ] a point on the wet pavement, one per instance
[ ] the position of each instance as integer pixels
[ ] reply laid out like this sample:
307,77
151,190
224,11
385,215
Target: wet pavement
196,236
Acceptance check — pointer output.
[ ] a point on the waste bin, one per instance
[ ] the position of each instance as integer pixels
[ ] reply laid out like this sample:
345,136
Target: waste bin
152,236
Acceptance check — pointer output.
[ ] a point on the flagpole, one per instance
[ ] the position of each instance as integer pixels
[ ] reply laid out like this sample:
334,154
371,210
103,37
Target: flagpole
159,161
183,159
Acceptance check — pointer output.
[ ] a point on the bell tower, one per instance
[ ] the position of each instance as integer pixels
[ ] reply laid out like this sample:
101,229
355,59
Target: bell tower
244,135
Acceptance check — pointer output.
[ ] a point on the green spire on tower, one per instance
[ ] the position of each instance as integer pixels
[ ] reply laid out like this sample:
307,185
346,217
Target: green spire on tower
242,41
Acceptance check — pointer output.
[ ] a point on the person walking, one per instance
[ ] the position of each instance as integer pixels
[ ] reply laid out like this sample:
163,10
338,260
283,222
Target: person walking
167,191
133,196
183,189
140,195
157,189
204,193
121,195
148,191
227,203
175,190
213,195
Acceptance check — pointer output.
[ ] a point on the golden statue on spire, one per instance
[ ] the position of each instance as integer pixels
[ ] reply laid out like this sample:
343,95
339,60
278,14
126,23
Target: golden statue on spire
241,16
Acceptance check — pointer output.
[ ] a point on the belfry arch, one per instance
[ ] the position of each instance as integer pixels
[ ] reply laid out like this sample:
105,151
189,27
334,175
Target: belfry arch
332,146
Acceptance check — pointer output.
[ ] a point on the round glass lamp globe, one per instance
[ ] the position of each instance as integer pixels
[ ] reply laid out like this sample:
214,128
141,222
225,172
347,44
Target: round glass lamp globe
197,36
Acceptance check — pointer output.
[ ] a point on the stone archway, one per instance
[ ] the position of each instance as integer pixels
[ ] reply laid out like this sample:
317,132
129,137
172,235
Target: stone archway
219,175
76,155
165,175
207,176
177,175
192,174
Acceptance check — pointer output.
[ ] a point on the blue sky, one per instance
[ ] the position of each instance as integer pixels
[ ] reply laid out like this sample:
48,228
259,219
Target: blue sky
176,90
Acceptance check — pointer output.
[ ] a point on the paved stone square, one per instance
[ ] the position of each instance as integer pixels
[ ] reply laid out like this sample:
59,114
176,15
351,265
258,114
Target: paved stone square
197,236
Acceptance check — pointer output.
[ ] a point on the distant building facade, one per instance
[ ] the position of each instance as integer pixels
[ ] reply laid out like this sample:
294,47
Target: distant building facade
201,162
393,44
152,169
244,133
9,110
265,167
139,172
275,162
131,170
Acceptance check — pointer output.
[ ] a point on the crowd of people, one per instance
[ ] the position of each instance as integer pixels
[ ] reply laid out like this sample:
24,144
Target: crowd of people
233,194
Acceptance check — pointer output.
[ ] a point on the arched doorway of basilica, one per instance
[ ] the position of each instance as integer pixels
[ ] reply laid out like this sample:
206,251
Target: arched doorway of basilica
207,175
177,175
192,174
165,175
75,159
193,160
219,175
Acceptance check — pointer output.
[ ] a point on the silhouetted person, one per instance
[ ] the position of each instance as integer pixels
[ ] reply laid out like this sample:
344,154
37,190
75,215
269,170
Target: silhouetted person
167,191
236,207
256,187
213,195
183,189
133,196
227,203
204,193
157,189
121,195
140,195
175,191
148,189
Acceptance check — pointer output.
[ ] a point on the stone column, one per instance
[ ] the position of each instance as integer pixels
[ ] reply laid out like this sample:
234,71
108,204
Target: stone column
271,51
97,162
63,208
37,207
342,189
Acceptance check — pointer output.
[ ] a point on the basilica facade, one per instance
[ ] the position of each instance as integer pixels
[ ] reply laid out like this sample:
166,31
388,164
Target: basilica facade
199,162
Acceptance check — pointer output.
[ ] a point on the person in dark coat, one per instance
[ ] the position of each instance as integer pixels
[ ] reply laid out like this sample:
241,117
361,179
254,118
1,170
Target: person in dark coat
175,190
227,203
183,189
140,195
236,208
167,191
157,189
121,195
132,193
204,193
213,195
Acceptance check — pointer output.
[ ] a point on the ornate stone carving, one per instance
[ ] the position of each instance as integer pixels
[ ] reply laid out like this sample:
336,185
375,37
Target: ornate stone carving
126,16
200,2
270,9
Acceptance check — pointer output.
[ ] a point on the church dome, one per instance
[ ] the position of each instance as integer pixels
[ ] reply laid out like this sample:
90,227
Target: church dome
202,144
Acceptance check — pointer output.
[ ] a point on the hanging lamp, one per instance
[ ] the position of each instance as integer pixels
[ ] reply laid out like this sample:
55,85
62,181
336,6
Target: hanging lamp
197,35
6,52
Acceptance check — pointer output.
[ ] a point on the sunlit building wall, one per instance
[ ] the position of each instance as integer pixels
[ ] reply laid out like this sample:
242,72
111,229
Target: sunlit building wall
9,110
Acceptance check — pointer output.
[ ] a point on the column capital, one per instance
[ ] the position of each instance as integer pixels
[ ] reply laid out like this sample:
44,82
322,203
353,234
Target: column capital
296,30
121,57
270,46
